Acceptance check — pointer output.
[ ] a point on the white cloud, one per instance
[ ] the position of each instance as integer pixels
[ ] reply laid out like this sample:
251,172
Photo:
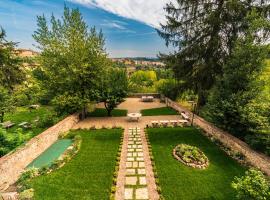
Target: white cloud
150,12
113,24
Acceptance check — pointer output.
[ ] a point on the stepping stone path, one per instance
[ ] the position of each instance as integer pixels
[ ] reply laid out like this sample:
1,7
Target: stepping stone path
139,183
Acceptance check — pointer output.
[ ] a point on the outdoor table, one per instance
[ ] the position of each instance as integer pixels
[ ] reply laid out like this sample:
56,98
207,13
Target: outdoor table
134,116
147,98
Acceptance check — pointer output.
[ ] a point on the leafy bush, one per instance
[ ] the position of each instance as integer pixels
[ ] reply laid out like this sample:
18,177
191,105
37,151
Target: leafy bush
11,140
190,154
67,104
260,142
252,186
27,194
168,87
142,81
47,120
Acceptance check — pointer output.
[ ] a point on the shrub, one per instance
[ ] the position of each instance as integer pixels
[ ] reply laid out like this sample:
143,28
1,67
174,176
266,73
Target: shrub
9,141
28,174
27,194
260,142
168,87
190,154
252,186
47,120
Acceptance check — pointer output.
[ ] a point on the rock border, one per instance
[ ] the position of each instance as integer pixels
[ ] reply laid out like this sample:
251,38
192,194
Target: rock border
193,165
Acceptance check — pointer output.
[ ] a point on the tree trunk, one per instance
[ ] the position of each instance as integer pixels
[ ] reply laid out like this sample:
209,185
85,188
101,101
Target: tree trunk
83,113
109,111
2,117
201,100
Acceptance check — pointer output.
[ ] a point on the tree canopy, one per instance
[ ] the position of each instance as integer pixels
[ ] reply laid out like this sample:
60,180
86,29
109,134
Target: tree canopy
204,33
72,59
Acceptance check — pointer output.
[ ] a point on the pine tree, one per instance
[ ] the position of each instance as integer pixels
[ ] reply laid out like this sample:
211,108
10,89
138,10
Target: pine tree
204,33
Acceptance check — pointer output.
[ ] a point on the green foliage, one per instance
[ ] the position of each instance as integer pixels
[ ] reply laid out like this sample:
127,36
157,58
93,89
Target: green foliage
27,194
100,112
92,168
252,186
67,104
11,72
211,183
190,154
159,111
113,89
260,142
168,87
47,120
29,92
142,81
6,103
233,103
72,60
204,34
11,140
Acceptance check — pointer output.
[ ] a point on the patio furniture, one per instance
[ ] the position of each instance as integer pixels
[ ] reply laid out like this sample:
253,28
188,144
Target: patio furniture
164,123
134,116
25,125
147,98
155,124
174,122
7,124
34,106
183,122
185,116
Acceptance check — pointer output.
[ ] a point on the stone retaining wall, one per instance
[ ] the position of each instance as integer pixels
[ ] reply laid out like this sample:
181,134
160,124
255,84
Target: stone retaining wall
256,159
13,164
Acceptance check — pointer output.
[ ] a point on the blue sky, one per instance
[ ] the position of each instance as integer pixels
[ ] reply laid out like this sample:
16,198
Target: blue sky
128,25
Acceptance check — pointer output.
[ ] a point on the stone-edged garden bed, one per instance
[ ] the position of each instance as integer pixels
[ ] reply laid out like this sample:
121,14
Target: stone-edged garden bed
190,156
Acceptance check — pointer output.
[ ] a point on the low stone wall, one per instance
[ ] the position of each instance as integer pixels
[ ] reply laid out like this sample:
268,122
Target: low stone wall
13,164
256,159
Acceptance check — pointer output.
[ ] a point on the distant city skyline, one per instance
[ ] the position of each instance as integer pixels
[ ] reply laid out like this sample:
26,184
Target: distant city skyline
129,27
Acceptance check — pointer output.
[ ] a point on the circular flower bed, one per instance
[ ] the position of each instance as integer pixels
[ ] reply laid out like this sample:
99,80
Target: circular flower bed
190,156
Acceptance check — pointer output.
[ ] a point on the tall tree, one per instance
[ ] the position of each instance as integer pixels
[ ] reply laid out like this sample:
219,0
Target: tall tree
72,59
11,72
204,33
114,88
232,102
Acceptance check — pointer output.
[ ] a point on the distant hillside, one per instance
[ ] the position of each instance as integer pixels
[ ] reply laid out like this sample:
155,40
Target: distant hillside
142,59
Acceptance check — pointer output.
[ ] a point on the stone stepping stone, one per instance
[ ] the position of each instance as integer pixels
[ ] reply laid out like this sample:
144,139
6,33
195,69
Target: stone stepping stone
131,172
128,193
141,193
130,159
135,164
140,154
142,180
141,164
131,180
141,171
139,159
128,164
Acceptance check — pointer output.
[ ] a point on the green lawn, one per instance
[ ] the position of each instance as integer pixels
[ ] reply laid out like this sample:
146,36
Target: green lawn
102,112
86,176
159,111
178,181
